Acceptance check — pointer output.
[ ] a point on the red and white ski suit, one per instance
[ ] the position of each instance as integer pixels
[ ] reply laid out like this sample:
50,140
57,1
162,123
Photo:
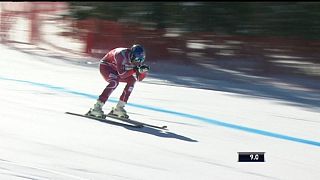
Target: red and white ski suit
116,67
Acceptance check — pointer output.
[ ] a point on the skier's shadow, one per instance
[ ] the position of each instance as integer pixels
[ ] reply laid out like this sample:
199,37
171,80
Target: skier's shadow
161,133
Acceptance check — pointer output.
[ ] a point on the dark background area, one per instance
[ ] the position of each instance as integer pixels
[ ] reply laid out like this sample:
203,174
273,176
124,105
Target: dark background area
285,19
252,37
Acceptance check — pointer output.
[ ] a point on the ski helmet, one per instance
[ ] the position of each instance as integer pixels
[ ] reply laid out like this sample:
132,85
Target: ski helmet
137,53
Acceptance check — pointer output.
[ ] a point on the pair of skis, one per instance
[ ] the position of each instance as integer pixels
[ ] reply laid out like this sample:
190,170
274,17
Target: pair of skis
121,122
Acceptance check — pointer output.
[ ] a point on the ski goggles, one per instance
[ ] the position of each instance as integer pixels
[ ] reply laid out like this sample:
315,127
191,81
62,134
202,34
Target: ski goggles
138,59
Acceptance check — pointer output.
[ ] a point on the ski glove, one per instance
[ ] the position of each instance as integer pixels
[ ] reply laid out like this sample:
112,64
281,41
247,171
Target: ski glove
142,68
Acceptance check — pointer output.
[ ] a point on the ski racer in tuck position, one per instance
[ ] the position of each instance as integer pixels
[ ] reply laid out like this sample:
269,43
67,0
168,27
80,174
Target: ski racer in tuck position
120,65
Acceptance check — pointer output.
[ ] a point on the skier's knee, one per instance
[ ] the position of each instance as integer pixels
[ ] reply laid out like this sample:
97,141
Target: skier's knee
113,83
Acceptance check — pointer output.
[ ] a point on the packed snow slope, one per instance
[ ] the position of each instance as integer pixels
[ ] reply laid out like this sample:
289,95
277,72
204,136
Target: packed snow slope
206,129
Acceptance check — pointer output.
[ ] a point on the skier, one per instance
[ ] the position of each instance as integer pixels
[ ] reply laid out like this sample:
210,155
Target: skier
120,65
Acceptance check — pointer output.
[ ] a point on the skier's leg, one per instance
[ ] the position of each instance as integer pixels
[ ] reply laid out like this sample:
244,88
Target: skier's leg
110,76
131,80
119,109
113,84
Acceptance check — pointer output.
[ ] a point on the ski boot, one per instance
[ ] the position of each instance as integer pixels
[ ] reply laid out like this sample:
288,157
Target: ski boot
97,111
119,111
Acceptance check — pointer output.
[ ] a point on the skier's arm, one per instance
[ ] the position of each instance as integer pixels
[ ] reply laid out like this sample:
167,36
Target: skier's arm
123,72
141,76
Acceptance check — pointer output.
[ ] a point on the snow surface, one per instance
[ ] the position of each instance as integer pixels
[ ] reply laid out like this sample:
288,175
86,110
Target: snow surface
207,129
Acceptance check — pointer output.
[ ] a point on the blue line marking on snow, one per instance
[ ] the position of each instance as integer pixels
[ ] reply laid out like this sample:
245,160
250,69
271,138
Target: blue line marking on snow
190,116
